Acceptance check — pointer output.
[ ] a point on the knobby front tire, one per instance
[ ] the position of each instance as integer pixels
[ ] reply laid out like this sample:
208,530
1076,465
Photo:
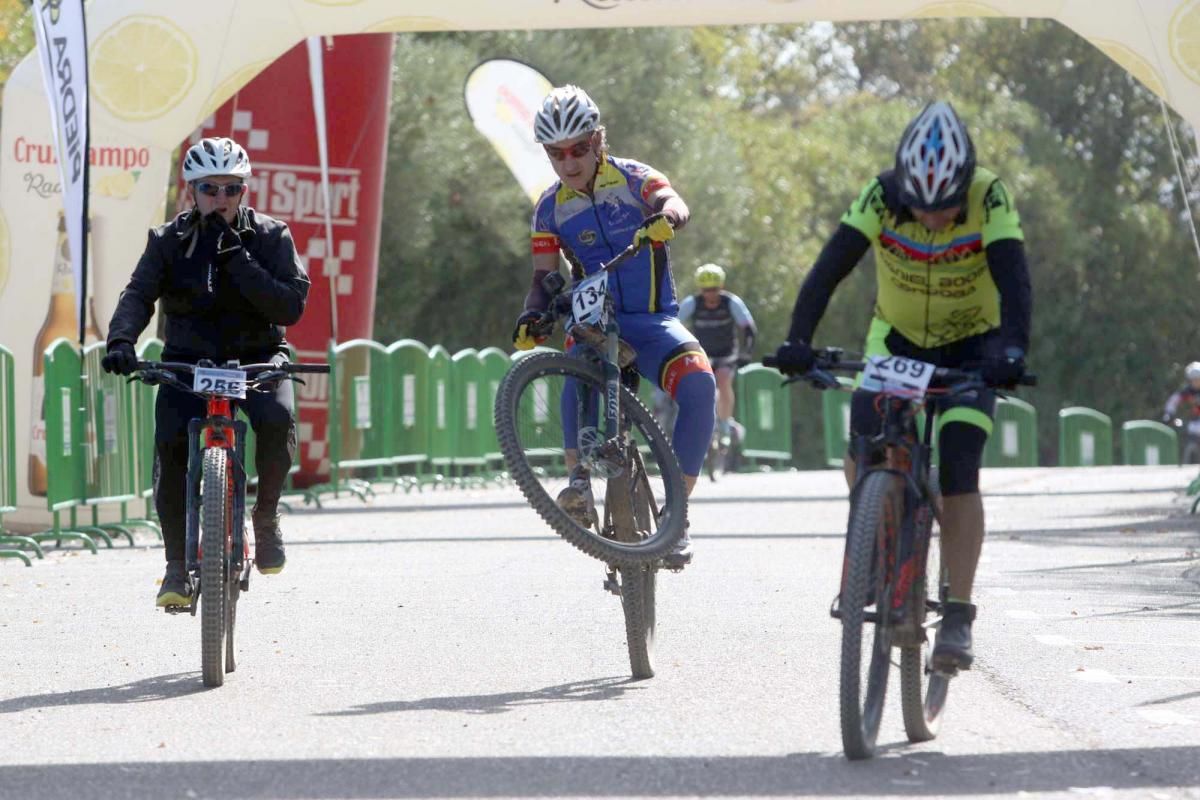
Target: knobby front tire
520,391
213,588
877,503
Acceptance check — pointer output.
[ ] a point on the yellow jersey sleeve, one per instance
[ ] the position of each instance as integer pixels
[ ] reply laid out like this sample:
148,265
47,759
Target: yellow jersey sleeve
866,213
1000,217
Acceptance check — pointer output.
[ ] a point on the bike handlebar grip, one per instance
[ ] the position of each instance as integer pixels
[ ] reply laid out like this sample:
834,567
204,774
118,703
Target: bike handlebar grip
313,368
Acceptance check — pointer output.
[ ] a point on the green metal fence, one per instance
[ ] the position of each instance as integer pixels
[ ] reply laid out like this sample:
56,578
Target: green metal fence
1147,443
468,408
539,419
765,409
142,430
409,368
8,463
66,466
1085,438
442,435
360,413
835,414
110,463
1013,442
495,366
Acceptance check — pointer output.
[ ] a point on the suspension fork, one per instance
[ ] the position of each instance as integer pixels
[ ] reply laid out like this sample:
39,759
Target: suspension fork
612,381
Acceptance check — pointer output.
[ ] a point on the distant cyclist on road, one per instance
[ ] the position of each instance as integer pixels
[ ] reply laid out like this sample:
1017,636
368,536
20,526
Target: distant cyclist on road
953,290
599,206
1183,411
726,331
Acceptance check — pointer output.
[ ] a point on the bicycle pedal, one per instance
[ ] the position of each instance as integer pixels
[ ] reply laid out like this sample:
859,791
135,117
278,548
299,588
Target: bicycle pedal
188,609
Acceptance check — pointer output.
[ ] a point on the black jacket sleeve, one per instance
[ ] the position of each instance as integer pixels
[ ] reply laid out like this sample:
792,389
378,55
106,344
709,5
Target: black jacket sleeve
277,289
136,304
1010,273
839,256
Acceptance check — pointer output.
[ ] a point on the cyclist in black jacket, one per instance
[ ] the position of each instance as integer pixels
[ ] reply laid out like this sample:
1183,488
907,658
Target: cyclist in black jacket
229,280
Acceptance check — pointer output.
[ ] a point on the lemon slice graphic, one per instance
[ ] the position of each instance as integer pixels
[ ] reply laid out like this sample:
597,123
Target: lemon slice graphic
142,67
1134,64
1183,37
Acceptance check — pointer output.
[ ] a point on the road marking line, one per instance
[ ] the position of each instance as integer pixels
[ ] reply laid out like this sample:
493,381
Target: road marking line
1094,675
1162,716
1053,640
1020,613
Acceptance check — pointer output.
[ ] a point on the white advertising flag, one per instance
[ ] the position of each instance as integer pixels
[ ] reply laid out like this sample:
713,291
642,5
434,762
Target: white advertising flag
62,49
502,96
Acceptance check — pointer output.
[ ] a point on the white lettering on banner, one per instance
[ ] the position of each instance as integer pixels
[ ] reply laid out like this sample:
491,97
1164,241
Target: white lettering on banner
282,190
108,401
69,107
410,400
1011,438
766,409
441,405
472,403
362,402
1087,449
67,409
1152,458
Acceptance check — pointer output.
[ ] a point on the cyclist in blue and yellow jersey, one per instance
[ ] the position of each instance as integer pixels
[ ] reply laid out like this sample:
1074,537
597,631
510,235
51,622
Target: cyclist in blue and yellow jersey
953,290
599,206
726,331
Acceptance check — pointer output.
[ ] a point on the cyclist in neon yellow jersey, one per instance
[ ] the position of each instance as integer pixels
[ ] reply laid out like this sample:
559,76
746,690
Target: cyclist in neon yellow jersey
953,290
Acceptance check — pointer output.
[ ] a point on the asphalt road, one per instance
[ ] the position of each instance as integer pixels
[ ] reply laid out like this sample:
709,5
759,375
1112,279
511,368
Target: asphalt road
447,644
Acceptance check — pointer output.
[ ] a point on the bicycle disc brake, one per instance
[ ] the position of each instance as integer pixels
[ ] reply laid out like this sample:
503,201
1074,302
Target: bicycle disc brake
601,456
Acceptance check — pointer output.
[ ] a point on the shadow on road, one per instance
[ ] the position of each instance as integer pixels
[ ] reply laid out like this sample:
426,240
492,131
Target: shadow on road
915,775
161,687
577,691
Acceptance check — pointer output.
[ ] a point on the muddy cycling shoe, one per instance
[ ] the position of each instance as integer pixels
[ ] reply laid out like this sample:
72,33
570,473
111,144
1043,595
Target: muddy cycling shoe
176,586
681,555
269,556
952,648
577,500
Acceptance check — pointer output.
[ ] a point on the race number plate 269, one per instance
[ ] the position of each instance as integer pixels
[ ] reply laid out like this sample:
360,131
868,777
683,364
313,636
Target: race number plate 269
897,375
223,382
587,299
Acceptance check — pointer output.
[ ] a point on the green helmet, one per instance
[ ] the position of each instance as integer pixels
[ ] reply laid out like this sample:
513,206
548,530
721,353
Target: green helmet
710,276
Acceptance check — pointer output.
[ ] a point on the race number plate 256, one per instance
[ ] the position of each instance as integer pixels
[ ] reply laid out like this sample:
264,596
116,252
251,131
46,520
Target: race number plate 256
897,375
587,299
223,382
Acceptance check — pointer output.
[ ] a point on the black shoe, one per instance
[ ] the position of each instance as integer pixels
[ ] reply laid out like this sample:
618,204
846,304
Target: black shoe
681,556
269,556
176,586
952,648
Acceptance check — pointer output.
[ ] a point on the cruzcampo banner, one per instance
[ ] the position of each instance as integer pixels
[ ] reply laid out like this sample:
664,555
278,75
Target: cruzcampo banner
502,97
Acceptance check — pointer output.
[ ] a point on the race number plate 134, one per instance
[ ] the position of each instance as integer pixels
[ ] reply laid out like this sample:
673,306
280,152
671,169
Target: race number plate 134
587,299
897,375
223,382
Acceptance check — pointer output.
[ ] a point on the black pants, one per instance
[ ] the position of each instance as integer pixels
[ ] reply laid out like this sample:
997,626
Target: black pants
272,419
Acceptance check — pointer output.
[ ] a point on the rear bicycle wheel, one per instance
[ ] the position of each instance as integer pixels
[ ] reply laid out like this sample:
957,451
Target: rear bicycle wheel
633,518
875,515
922,691
530,427
214,535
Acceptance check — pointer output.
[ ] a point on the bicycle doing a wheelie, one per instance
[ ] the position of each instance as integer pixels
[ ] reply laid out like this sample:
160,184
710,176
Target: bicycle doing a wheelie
884,573
216,550
585,403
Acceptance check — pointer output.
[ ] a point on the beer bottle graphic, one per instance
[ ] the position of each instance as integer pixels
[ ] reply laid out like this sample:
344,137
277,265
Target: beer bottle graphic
60,322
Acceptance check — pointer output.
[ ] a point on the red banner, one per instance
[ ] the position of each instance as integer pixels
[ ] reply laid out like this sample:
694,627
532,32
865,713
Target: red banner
272,117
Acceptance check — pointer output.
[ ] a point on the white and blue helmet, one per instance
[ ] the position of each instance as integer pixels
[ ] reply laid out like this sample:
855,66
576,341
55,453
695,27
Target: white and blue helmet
935,160
566,112
213,156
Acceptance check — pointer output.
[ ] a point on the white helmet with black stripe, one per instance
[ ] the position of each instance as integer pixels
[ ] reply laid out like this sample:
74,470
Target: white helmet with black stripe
213,156
566,112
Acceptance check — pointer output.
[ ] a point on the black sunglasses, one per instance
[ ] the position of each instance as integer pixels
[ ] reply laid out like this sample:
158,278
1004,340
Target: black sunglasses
214,189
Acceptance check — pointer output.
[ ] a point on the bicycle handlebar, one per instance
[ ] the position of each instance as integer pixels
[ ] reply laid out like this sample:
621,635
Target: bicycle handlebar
829,361
156,372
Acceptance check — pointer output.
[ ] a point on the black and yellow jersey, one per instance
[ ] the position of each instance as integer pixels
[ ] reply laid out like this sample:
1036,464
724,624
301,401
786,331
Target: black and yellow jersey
935,287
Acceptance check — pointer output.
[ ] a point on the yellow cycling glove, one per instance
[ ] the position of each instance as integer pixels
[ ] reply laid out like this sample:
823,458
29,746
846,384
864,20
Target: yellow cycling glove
522,338
657,230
